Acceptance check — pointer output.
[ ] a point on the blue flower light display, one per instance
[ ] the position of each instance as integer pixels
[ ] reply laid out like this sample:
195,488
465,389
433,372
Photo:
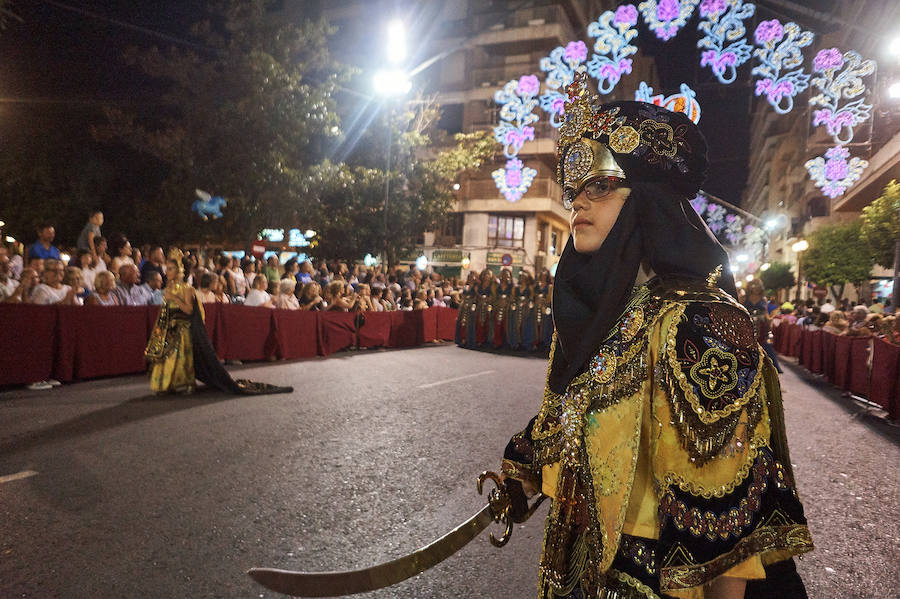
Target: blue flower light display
614,32
834,173
840,78
666,17
560,66
518,103
780,50
723,44
731,229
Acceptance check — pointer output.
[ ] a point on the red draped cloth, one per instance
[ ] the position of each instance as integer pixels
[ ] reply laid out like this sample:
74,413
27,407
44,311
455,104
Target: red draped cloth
376,332
337,331
817,352
828,343
296,332
842,347
446,323
778,337
97,341
407,328
884,383
429,324
27,343
247,331
859,366
213,321
796,341
806,349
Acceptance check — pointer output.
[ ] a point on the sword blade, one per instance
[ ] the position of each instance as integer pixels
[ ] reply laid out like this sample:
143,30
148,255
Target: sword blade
334,584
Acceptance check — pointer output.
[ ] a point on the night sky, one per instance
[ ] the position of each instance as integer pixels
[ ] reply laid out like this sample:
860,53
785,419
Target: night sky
67,65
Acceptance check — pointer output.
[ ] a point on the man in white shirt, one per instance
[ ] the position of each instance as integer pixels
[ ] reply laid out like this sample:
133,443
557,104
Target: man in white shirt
51,290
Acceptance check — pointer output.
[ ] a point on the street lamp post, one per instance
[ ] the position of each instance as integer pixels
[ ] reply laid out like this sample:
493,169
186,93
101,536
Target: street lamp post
800,247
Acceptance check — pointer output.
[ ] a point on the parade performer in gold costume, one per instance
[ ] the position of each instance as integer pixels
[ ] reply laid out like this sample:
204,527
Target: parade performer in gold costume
661,436
179,351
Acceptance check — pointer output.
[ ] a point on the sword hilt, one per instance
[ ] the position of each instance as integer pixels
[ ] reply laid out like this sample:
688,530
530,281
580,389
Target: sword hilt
501,506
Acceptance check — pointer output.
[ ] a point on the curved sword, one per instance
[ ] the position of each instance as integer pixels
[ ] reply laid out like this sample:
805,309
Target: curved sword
334,584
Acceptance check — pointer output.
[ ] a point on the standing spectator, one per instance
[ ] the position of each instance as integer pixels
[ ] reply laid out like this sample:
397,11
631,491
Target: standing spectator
286,299
103,259
120,250
155,263
74,279
43,248
128,291
85,260
51,290
272,271
258,296
311,298
218,288
205,293
153,286
16,263
238,280
24,292
104,286
249,268
224,272
90,232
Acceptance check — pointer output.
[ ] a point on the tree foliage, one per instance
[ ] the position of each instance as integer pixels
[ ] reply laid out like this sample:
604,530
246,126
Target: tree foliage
778,276
837,255
881,224
245,116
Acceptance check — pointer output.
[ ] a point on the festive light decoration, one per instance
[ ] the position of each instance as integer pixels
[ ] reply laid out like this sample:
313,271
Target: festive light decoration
731,229
725,50
780,50
208,206
841,78
513,180
560,66
517,112
666,17
614,32
685,102
834,173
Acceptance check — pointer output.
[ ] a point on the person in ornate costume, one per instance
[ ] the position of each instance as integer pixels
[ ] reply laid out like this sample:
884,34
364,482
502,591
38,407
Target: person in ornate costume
501,297
484,296
661,436
465,319
520,323
543,315
179,351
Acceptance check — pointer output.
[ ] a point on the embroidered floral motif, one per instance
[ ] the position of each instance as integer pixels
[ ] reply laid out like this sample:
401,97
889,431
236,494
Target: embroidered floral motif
716,372
603,367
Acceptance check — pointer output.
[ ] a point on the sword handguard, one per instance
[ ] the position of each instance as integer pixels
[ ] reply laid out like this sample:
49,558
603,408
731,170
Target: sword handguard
501,506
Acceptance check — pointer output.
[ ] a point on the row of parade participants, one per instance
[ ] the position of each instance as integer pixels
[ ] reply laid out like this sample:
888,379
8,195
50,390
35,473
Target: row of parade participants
498,314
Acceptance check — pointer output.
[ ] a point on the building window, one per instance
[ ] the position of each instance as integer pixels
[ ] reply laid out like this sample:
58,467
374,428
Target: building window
450,231
554,243
506,231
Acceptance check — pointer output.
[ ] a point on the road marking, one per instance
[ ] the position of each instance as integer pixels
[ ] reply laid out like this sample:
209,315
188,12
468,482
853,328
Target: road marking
18,475
453,380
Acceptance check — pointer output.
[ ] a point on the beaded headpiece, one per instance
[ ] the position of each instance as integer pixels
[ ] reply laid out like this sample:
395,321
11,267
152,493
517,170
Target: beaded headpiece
633,140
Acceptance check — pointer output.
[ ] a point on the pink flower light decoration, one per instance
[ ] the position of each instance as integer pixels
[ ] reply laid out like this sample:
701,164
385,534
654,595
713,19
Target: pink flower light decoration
667,10
769,31
626,14
828,59
711,7
528,85
576,51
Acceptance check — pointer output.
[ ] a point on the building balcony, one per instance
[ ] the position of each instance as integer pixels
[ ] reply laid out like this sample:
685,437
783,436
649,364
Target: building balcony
482,195
525,25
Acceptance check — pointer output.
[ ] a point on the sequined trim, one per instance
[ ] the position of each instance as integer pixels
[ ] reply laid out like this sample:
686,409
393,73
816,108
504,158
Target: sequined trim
626,587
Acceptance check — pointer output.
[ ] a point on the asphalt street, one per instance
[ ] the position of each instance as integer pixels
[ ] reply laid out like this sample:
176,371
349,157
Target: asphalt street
108,491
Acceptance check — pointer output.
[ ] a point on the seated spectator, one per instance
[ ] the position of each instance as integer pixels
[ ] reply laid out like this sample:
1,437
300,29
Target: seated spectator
858,325
258,296
249,268
272,270
421,301
85,261
286,299
238,280
894,337
36,264
874,322
455,299
43,248
218,287
305,274
837,323
224,273
128,291
377,295
74,279
51,289
437,297
155,263
103,258
388,300
205,293
364,298
337,298
310,297
154,288
406,300
120,250
24,291
7,282
103,295
16,263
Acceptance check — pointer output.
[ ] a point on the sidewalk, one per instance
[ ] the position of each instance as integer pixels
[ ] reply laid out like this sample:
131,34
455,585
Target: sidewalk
847,462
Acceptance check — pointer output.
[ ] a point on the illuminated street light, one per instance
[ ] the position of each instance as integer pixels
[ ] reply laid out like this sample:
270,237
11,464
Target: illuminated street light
309,233
396,42
771,224
738,284
765,267
455,188
800,246
748,278
466,262
742,258
734,268
391,82
894,91
421,262
894,47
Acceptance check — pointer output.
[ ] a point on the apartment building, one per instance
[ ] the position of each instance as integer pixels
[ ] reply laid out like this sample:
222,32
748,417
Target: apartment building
483,44
778,183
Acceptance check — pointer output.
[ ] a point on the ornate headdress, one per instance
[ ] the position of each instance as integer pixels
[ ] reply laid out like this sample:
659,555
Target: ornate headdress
632,140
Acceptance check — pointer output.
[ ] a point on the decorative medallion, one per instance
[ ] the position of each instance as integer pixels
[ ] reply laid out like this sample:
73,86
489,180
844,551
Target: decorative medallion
576,122
660,137
624,140
631,324
603,367
715,373
578,162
